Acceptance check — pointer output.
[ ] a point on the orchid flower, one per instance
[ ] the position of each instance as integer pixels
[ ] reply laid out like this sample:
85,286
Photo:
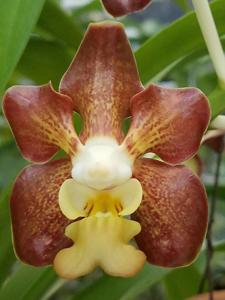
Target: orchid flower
118,8
71,212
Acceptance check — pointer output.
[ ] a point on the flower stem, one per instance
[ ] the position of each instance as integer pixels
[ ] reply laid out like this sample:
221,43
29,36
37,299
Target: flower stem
216,53
208,272
211,37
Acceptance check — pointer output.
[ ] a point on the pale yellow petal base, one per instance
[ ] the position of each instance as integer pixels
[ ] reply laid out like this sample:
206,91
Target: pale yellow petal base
100,240
77,200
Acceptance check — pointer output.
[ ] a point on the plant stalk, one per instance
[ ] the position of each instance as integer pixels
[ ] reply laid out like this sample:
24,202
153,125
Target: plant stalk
210,34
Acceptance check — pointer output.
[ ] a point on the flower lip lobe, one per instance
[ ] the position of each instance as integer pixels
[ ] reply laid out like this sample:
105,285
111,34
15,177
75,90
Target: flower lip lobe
77,200
93,247
101,238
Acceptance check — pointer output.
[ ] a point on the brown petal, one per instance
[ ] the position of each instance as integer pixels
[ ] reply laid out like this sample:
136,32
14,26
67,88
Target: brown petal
41,120
38,224
119,8
168,122
173,214
102,79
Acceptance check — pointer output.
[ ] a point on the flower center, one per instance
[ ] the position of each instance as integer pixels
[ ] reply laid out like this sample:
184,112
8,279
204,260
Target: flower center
101,164
103,204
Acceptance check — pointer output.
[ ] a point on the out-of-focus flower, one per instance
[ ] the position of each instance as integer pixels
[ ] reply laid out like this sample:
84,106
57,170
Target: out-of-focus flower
214,138
84,197
118,8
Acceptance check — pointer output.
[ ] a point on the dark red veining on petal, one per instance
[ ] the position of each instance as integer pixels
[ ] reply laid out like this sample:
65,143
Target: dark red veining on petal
167,122
102,79
41,120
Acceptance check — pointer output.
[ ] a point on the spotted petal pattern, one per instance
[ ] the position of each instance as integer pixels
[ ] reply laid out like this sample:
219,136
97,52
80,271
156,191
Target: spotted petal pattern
173,213
168,122
38,224
119,8
102,79
41,120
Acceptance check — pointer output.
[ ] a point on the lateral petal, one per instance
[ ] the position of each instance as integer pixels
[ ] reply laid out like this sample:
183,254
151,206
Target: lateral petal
41,120
173,214
168,122
37,222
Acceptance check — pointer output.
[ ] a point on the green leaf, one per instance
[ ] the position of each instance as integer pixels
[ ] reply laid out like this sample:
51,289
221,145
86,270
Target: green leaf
17,19
94,5
43,61
56,21
28,283
184,5
11,163
220,246
164,50
217,101
193,56
112,288
182,283
7,257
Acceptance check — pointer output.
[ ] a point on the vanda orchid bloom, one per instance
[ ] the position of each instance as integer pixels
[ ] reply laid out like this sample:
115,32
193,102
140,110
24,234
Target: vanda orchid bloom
70,212
118,8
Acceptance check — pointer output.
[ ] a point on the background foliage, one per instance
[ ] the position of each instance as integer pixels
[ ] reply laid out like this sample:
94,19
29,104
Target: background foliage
38,38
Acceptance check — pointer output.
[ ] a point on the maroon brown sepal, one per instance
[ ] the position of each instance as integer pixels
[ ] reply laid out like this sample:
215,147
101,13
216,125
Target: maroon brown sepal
102,79
118,8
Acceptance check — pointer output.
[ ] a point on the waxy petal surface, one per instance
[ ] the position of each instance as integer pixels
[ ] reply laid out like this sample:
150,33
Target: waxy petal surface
100,241
173,214
41,120
102,79
119,8
168,122
38,224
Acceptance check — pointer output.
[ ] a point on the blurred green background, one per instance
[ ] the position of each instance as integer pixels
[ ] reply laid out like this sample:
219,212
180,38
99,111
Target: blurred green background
37,42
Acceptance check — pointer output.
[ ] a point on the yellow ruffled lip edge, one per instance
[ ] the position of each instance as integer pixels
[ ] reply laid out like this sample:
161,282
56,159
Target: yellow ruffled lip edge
100,241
